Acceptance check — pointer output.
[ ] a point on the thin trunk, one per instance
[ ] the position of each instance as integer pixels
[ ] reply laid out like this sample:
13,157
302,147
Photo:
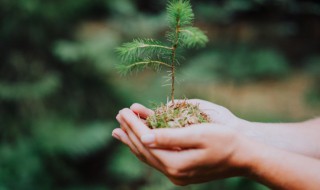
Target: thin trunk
172,75
174,48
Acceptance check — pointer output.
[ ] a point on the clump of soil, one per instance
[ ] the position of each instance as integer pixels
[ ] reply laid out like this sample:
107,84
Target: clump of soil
181,114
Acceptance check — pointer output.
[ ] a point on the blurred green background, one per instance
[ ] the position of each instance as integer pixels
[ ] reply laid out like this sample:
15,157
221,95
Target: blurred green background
60,93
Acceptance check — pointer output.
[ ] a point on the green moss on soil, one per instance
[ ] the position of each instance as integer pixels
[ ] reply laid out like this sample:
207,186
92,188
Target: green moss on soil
181,114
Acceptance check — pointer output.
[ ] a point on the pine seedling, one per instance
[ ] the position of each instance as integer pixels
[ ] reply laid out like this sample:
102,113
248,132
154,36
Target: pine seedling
149,53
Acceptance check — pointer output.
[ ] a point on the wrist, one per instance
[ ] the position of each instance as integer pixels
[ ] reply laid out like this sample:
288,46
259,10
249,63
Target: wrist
243,127
243,155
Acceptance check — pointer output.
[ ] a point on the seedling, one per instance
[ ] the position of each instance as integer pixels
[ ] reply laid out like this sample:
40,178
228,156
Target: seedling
143,53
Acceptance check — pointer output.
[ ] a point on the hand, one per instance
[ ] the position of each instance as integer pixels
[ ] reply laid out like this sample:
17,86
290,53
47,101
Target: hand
205,152
301,138
218,114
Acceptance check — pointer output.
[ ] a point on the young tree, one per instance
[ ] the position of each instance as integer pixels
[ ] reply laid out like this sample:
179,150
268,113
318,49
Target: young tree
142,53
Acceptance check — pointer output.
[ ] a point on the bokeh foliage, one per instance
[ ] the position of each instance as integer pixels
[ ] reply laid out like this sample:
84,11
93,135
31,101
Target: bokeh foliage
59,92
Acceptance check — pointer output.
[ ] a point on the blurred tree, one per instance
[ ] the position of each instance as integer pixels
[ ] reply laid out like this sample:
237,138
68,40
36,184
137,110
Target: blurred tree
58,93
55,117
238,64
313,68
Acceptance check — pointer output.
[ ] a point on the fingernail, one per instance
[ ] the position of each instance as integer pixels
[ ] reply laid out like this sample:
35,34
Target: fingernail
148,139
118,118
116,136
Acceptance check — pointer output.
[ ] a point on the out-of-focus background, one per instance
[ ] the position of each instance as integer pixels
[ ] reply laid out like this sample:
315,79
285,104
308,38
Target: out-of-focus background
59,91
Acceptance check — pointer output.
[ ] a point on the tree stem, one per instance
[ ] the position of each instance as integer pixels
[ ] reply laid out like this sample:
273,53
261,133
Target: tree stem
174,48
172,78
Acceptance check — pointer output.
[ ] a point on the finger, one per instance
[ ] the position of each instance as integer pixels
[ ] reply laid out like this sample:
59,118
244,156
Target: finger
144,154
188,137
133,122
141,110
131,136
179,160
123,137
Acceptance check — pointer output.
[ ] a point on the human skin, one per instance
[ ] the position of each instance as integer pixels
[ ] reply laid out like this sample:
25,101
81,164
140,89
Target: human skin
301,137
212,151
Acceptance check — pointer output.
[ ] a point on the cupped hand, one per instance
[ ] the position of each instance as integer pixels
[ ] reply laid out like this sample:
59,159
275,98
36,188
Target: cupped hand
218,114
188,155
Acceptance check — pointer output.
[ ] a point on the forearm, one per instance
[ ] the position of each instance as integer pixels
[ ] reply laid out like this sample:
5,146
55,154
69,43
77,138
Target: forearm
302,138
280,169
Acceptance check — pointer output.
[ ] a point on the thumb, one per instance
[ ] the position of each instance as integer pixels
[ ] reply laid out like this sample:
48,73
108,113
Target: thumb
188,137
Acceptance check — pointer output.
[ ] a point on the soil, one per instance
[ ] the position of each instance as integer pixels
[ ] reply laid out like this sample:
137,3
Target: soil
181,114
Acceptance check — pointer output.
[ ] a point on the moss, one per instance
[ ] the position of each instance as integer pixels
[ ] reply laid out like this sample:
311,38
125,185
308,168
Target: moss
177,115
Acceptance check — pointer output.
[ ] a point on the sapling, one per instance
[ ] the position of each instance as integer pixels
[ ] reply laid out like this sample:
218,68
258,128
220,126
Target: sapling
143,53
